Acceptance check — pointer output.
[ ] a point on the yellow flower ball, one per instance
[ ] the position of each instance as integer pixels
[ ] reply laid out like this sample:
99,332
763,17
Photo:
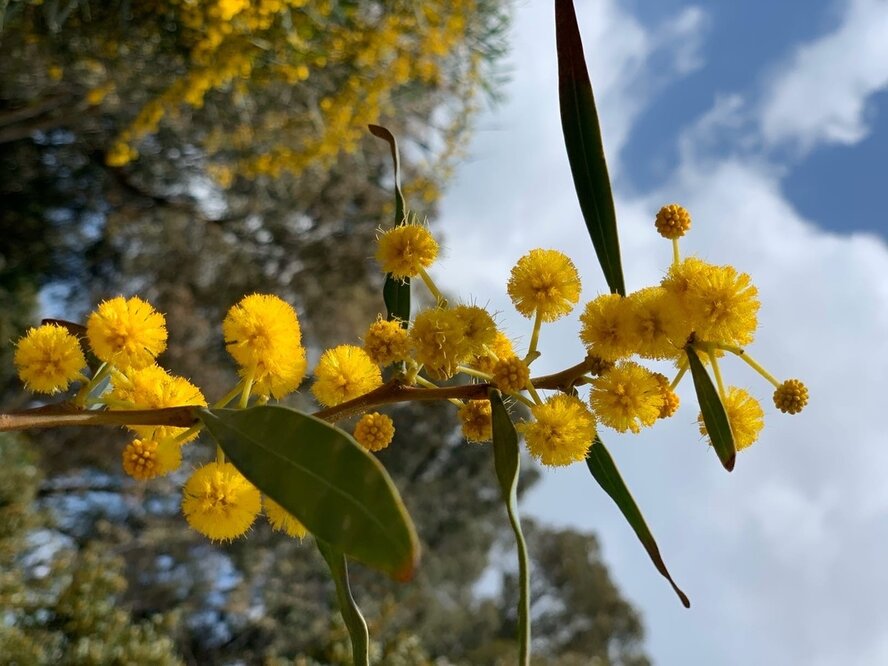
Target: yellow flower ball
673,221
154,388
263,335
48,359
660,329
406,250
510,375
479,329
722,305
386,342
475,416
607,328
502,348
343,373
374,431
627,397
745,415
544,280
219,502
127,332
145,459
562,431
791,396
281,520
438,340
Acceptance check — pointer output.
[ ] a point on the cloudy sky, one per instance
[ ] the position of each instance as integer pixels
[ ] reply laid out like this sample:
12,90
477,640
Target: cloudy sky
771,125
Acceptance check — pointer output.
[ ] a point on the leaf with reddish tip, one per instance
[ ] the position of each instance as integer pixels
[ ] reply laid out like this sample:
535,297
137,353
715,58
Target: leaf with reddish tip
718,427
603,468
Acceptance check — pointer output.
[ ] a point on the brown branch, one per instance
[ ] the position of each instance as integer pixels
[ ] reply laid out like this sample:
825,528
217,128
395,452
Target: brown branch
393,391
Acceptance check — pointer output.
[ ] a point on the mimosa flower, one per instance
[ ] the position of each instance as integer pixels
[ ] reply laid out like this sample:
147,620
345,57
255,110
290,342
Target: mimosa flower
479,329
501,347
791,396
154,388
510,374
437,335
48,359
262,334
562,431
544,280
475,417
219,502
343,373
386,342
607,327
374,431
722,305
627,397
660,329
145,459
281,520
126,332
673,221
744,414
406,250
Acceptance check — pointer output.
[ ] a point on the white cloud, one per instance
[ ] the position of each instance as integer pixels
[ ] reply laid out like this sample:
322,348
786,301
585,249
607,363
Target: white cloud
820,94
784,558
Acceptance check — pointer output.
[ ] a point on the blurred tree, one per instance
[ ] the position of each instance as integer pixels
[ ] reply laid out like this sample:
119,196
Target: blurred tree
194,152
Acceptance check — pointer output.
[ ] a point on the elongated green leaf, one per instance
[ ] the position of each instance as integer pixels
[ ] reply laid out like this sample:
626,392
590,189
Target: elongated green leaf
318,473
507,463
605,471
351,614
395,293
585,152
714,416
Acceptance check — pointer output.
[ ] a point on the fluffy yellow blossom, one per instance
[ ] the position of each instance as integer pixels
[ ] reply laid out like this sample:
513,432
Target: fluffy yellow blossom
544,280
673,221
744,414
262,334
146,459
437,335
476,419
680,276
791,396
374,431
671,400
722,305
660,330
48,359
386,342
479,329
127,332
627,397
282,520
562,431
406,250
510,374
154,388
608,329
219,502
343,373
501,348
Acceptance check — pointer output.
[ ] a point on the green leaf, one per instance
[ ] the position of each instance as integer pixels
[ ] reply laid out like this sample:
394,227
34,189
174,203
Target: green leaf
714,416
506,461
605,471
351,614
395,293
585,152
318,473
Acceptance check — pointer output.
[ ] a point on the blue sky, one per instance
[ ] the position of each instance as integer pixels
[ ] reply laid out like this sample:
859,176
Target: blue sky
769,122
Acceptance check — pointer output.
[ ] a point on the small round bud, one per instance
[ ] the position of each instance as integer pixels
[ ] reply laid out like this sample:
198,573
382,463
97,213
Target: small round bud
374,431
671,400
475,416
791,396
386,342
597,365
673,221
510,374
